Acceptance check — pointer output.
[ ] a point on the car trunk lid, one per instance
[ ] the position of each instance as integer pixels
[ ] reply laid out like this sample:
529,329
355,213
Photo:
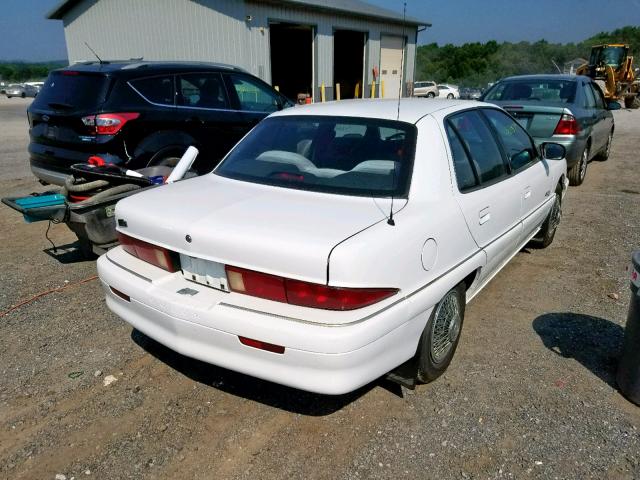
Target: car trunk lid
539,120
274,230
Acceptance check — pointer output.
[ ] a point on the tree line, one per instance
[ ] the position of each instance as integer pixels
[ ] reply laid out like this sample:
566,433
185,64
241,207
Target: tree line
476,64
23,71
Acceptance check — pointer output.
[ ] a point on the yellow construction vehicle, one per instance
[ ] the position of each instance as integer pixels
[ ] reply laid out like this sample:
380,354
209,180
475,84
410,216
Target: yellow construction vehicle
611,66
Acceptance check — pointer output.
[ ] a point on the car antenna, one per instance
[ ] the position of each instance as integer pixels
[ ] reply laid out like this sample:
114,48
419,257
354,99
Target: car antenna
390,220
96,55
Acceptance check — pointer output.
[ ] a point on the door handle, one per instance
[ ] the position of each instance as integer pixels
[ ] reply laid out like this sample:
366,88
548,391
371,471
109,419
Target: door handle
527,193
197,120
484,215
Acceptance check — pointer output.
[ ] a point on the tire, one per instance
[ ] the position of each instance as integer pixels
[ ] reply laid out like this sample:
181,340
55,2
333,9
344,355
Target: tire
168,156
632,102
22,95
548,231
450,96
440,337
604,154
431,95
578,172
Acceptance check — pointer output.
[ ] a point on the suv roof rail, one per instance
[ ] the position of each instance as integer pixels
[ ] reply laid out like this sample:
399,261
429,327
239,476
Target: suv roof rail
134,63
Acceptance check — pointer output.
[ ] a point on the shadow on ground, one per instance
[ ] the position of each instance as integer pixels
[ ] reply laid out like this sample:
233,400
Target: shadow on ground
594,342
251,388
69,253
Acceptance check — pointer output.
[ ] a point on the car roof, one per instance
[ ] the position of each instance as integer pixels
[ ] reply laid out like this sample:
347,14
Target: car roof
411,109
112,66
548,76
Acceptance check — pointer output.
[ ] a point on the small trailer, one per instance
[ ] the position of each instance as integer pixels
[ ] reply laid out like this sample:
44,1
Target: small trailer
87,202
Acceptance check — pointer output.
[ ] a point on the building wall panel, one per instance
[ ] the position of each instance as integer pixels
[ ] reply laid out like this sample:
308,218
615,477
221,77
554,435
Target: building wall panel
227,31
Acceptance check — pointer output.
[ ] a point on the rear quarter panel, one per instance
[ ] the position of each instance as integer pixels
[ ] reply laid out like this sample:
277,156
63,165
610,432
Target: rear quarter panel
429,238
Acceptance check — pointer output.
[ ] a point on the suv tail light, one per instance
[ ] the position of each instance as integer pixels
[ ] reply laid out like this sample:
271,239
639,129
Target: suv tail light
305,294
108,123
568,125
158,256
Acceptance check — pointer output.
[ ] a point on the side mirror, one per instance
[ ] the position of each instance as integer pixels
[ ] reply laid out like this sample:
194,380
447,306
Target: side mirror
613,106
553,151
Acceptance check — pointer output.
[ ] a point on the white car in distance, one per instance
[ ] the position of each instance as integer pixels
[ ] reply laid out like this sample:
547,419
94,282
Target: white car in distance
449,91
336,241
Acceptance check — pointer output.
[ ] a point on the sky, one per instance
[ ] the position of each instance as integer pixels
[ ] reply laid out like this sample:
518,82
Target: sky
25,34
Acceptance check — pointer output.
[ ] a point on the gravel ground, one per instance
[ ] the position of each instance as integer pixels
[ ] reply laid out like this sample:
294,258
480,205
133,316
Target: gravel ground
530,394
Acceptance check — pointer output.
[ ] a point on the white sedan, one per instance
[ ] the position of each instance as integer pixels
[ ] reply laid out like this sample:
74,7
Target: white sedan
336,241
449,91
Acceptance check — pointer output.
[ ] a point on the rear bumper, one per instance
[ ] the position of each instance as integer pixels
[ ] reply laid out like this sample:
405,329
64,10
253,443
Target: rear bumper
49,176
318,358
53,164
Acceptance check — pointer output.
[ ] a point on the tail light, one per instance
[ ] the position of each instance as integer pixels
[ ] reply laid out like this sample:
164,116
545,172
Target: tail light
153,254
108,123
305,294
568,125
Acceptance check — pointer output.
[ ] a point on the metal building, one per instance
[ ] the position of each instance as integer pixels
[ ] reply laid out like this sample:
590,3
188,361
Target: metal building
297,45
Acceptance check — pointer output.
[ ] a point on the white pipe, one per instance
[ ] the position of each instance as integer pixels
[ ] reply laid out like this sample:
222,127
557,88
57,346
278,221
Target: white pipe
183,165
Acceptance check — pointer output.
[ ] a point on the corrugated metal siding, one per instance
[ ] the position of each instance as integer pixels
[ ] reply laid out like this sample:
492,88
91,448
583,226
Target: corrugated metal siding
212,30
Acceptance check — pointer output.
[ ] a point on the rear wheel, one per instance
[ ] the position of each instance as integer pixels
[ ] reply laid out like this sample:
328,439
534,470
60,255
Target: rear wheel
22,95
168,156
550,225
431,95
450,96
632,102
577,173
440,337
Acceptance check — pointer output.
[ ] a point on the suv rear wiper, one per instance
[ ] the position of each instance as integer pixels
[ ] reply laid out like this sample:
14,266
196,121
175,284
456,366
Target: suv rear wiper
63,106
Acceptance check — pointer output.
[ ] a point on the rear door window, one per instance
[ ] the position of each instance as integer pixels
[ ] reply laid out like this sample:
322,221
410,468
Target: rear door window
155,89
73,91
481,145
465,175
202,90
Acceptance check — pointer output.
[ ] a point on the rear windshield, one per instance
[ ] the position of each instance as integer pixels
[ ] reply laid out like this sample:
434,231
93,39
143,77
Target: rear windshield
70,90
344,155
552,90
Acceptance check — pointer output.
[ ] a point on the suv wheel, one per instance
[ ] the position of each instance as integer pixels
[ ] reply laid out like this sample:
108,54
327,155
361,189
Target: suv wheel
431,95
450,96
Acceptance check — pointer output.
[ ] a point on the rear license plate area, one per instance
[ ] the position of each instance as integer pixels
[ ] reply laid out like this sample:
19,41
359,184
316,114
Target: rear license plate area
204,272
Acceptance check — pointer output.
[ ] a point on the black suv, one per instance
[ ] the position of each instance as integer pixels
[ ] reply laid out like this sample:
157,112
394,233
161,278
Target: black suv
139,114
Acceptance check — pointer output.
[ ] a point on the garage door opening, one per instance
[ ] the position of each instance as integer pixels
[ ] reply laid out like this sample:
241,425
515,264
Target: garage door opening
291,58
348,62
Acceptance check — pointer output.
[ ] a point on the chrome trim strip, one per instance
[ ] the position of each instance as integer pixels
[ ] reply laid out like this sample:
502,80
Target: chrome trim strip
127,270
196,108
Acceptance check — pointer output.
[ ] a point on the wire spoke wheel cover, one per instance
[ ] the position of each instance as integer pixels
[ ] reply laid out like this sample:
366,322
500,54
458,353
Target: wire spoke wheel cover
445,328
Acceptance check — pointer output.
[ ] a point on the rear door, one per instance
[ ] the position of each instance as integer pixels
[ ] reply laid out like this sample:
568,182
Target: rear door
531,172
206,112
490,198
